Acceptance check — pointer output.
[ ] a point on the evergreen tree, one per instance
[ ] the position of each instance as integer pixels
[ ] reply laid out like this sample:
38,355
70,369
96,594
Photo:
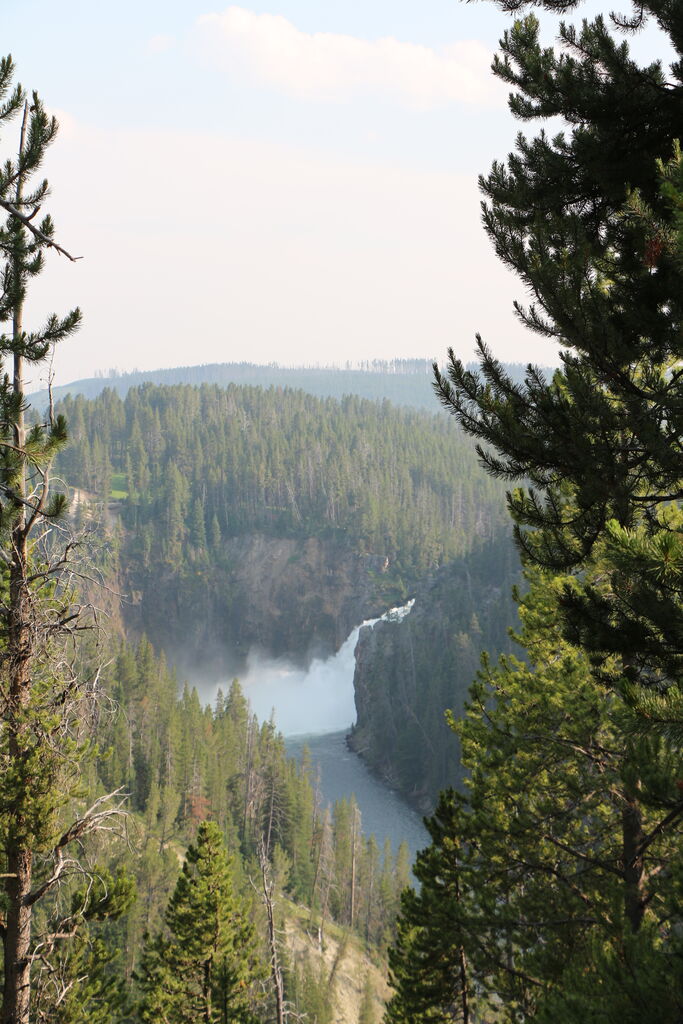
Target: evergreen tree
42,743
596,446
551,888
591,222
82,983
428,963
203,965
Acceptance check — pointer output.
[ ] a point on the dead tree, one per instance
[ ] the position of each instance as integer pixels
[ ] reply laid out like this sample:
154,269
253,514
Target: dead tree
267,896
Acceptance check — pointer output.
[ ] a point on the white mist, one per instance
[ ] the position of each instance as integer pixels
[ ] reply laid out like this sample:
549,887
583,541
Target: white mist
315,700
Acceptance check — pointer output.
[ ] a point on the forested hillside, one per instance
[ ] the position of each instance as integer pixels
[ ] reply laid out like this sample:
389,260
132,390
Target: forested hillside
400,381
181,764
230,502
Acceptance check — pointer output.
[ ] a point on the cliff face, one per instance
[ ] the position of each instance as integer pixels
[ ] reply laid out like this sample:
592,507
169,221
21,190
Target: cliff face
289,597
408,673
300,596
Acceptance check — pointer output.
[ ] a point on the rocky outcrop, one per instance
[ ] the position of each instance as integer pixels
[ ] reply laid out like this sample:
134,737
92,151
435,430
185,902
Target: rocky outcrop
289,597
409,672
300,596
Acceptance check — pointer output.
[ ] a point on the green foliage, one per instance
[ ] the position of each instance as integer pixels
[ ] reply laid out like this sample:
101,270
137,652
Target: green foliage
43,747
82,982
286,464
387,494
203,966
551,888
96,993
592,226
428,964
182,763
630,980
567,904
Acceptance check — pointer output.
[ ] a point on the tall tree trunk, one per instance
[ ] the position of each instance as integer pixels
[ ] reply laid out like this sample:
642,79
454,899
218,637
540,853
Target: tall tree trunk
206,993
275,968
353,866
464,987
632,832
17,938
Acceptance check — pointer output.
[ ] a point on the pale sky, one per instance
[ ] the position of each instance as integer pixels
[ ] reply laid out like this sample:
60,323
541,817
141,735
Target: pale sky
288,181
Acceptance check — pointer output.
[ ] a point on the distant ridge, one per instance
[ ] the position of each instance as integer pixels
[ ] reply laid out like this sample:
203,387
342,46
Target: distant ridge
400,381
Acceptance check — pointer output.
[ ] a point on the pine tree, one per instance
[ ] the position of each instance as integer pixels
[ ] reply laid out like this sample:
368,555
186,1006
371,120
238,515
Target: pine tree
203,965
553,880
590,220
428,963
41,740
597,443
81,984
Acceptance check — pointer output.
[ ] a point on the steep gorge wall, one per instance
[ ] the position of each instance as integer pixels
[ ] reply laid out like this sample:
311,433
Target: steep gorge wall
409,672
249,518
289,597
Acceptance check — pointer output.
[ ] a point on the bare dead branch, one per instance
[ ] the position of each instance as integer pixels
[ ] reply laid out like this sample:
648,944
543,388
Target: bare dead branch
40,235
96,818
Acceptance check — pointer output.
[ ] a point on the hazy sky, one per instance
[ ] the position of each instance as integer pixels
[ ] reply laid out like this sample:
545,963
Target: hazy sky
289,181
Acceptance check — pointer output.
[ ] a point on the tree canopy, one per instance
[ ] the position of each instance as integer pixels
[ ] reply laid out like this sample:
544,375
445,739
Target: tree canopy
203,966
567,829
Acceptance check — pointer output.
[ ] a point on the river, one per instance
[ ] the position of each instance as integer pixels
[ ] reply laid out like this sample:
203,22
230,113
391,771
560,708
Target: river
315,707
384,813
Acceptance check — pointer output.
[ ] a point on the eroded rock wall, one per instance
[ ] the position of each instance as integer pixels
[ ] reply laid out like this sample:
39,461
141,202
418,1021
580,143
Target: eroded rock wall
287,597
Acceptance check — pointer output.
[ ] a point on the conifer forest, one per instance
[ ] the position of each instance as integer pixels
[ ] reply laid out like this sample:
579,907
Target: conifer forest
507,541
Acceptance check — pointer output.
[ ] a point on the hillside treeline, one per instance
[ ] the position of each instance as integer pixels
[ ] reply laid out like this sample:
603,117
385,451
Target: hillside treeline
400,381
270,518
198,465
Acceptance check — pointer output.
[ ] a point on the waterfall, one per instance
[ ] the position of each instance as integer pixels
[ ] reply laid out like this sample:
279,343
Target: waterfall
314,700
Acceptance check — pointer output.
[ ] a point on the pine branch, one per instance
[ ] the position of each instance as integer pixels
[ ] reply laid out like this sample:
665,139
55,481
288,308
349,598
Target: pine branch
26,220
